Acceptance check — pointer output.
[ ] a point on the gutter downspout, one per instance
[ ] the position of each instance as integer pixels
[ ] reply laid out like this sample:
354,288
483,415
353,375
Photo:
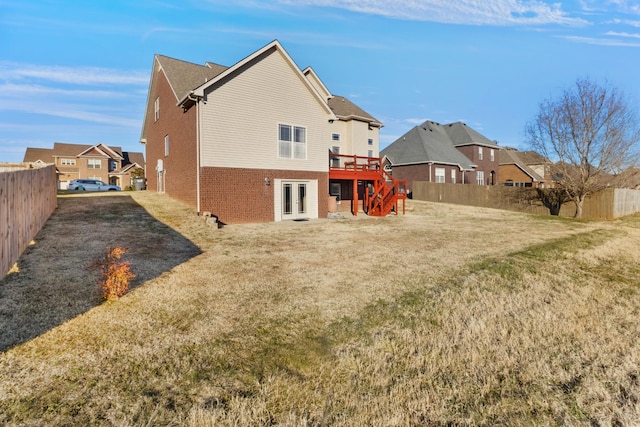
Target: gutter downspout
198,156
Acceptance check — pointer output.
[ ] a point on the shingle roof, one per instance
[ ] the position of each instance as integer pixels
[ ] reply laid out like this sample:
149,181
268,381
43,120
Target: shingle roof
426,143
532,158
509,156
461,134
35,154
61,149
343,108
185,76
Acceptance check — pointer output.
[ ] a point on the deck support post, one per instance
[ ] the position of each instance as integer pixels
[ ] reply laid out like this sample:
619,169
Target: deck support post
355,197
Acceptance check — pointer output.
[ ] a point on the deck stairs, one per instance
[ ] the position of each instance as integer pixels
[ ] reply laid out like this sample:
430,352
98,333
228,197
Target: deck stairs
383,191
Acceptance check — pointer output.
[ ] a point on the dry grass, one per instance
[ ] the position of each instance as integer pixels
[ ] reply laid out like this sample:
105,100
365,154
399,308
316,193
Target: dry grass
449,315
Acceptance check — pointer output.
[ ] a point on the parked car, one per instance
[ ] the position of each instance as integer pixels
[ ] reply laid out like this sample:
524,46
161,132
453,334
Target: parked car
92,185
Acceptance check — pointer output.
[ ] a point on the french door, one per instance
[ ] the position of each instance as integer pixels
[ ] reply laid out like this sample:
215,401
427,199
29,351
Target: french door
295,200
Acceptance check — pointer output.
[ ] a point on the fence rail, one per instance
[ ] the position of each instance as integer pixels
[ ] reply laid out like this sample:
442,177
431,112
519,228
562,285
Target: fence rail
27,200
604,205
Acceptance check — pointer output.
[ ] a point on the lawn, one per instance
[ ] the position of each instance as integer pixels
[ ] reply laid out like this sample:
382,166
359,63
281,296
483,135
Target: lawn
448,315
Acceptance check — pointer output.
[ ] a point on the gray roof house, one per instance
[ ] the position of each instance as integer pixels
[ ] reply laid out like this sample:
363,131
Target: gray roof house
450,153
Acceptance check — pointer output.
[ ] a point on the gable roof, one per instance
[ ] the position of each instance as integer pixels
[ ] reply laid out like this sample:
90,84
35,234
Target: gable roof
510,156
461,134
427,143
273,47
347,110
185,76
61,149
32,155
533,158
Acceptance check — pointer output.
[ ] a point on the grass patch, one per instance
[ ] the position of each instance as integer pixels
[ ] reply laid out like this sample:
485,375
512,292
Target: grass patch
433,319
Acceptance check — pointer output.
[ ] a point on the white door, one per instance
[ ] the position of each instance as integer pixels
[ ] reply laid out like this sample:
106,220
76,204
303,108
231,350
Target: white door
295,200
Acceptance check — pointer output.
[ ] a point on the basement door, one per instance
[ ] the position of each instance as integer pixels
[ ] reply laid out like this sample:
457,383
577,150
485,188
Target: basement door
296,200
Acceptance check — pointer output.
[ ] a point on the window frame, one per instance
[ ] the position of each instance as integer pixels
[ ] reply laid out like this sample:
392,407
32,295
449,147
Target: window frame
295,144
480,177
156,108
492,155
440,174
94,164
370,141
453,176
480,154
335,137
166,145
67,162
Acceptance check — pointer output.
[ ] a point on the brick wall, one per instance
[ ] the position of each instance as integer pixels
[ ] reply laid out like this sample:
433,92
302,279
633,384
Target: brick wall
513,173
485,165
241,196
424,172
181,163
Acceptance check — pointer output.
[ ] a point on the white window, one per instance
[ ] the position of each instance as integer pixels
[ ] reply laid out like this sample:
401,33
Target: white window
156,107
370,153
453,176
370,141
68,162
493,156
94,163
480,177
479,153
335,160
335,137
292,142
166,145
440,175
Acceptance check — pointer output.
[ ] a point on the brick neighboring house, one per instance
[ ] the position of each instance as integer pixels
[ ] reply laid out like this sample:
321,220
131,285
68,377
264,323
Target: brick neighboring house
249,142
76,161
450,153
515,172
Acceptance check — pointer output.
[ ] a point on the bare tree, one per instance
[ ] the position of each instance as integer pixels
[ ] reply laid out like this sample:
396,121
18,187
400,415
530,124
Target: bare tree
591,131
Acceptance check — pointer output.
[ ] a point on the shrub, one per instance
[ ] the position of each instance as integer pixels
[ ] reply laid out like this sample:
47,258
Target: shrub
115,274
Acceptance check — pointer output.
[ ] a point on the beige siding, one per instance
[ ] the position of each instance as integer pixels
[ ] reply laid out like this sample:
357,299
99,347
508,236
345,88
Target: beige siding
361,133
239,122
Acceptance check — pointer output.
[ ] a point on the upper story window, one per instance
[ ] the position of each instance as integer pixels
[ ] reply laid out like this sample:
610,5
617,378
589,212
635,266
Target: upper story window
156,108
335,137
370,141
113,165
292,142
479,153
67,162
94,163
166,145
492,155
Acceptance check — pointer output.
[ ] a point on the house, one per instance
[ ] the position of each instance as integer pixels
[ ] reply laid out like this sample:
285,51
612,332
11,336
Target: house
515,172
450,153
76,161
250,142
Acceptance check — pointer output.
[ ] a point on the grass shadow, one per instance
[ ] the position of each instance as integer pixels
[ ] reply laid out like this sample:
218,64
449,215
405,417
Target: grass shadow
55,282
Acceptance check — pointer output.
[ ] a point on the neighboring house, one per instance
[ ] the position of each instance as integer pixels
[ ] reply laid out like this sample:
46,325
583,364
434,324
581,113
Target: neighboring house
515,172
250,142
76,161
451,153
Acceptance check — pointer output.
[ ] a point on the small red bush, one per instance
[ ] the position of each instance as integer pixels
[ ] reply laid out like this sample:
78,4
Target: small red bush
115,274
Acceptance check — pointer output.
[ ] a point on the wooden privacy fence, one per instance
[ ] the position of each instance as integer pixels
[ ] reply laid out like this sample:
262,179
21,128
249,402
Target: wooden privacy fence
607,204
27,200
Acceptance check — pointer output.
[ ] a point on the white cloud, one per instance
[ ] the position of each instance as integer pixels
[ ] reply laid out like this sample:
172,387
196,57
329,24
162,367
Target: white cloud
602,42
74,75
67,111
469,12
20,90
628,35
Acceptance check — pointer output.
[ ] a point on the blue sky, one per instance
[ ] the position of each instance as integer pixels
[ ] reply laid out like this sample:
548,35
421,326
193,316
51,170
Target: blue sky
78,71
